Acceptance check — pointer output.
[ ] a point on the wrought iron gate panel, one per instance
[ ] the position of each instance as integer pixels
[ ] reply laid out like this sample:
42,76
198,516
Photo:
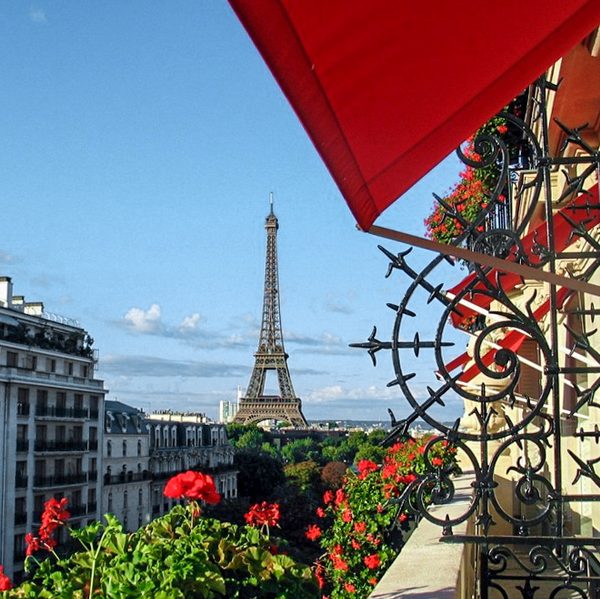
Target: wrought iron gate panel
539,446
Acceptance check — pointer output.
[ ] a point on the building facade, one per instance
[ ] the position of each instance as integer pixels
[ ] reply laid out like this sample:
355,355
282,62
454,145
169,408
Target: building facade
180,442
126,478
50,422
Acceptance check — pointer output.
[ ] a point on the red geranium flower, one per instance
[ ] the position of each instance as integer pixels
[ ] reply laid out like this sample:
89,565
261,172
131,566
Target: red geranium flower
263,514
365,467
55,514
372,561
350,588
340,497
360,527
192,485
313,532
5,583
327,497
339,563
437,461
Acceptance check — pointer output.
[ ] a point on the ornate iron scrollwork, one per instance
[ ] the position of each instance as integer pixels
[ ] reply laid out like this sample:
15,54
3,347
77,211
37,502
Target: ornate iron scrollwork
526,438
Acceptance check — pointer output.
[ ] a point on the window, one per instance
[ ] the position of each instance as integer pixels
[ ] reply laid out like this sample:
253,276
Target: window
125,496
19,547
61,433
31,362
40,432
69,366
50,365
93,406
22,401
139,447
42,400
84,371
59,468
109,507
140,497
61,401
12,359
124,448
109,449
78,401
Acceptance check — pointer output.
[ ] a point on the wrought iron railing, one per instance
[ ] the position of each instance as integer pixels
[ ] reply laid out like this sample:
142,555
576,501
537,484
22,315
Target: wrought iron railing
528,380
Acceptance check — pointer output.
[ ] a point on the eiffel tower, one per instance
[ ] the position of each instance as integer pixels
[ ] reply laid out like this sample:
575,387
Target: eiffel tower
255,405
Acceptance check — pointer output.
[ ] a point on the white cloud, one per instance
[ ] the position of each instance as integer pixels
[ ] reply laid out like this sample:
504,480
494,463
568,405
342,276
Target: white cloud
190,323
37,15
144,321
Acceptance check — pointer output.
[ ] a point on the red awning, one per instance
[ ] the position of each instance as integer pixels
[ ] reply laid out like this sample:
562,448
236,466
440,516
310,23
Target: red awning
512,341
386,89
563,238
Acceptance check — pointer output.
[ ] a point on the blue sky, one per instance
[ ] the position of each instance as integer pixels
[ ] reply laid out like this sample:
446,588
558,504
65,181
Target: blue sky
140,142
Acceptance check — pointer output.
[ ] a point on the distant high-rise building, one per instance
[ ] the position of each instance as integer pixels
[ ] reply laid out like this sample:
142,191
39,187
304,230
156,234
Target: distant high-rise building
228,409
50,423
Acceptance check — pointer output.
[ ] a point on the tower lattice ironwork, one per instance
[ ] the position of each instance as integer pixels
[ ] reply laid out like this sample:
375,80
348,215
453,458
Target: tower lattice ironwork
255,406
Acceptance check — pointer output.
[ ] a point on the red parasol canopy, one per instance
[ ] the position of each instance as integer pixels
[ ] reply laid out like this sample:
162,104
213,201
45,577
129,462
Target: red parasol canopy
387,88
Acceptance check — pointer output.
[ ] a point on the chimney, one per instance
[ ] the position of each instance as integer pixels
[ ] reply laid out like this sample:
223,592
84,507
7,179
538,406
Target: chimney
6,290
34,308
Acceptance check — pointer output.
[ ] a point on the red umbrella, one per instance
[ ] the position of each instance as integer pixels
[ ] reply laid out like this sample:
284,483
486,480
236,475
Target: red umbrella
387,88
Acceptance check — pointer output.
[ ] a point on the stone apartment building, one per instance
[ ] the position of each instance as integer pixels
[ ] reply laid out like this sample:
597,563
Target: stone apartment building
50,426
126,477
179,442
142,452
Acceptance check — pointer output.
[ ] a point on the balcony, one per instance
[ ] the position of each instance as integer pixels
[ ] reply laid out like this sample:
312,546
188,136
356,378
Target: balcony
59,480
411,574
78,510
22,410
22,445
27,375
73,446
165,475
128,477
60,412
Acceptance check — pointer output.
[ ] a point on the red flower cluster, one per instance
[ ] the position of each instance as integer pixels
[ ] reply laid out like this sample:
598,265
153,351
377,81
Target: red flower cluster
313,532
470,196
55,514
192,485
5,583
261,514
365,467
372,561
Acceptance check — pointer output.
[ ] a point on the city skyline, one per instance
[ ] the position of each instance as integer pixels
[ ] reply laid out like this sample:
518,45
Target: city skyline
140,150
